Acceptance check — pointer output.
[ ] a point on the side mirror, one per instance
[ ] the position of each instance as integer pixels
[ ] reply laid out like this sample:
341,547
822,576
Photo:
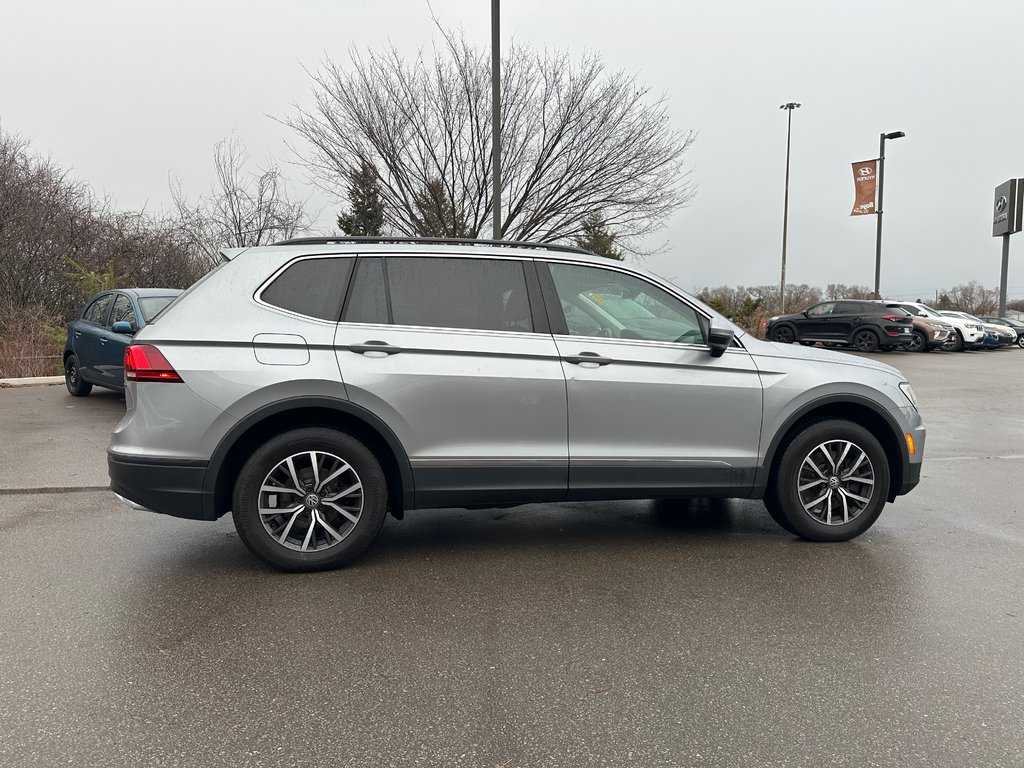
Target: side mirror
806,313
122,326
720,339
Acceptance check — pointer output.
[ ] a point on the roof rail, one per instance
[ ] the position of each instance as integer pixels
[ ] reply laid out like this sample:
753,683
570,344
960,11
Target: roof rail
433,241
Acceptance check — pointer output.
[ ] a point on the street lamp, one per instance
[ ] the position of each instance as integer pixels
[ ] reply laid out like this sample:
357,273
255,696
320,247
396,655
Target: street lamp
789,106
878,208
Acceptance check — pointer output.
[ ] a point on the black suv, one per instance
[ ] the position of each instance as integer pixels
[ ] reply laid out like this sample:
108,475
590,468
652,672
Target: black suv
863,325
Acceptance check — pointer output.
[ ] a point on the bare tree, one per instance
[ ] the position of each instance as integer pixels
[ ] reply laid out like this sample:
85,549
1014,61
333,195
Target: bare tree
244,208
972,297
576,140
842,291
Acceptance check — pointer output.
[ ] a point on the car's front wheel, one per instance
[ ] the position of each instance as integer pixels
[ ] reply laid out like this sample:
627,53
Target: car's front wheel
955,343
831,482
1020,342
310,500
77,386
919,343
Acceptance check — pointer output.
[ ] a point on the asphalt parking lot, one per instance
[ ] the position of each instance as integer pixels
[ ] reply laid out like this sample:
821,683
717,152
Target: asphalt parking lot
615,634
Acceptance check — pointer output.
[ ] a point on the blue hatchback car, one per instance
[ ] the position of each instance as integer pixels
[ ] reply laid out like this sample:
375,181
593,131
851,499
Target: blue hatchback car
94,352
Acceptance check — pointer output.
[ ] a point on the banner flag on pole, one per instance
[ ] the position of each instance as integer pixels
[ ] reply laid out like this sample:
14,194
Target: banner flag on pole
864,181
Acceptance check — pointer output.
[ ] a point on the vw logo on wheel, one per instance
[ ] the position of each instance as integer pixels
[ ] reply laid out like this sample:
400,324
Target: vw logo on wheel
1001,204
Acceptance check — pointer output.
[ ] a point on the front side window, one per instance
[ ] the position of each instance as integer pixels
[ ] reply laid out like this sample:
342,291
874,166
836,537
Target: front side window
820,310
610,304
97,311
440,292
124,312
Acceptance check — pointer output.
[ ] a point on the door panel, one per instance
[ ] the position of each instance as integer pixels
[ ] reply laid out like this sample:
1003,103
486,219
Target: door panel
660,418
481,415
651,412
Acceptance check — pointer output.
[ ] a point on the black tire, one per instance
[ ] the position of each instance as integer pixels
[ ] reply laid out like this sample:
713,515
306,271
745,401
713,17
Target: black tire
257,473
955,343
807,447
808,343
919,344
1020,342
865,341
784,334
775,510
77,386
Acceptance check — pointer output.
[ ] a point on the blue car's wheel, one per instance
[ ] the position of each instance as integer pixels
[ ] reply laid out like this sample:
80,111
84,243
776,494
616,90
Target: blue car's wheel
77,386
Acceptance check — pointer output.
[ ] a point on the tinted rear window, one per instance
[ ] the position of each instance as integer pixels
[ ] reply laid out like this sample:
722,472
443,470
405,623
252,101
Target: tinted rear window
482,294
312,287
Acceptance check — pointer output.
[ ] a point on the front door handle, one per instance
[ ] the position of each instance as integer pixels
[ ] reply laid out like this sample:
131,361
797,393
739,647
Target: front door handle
589,359
374,348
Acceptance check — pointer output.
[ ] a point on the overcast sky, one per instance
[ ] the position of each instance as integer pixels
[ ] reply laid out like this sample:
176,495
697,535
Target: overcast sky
126,93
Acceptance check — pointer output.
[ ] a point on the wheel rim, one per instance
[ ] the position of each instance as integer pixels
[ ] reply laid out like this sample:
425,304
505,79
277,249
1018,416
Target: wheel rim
72,374
835,482
864,342
784,336
311,501
917,343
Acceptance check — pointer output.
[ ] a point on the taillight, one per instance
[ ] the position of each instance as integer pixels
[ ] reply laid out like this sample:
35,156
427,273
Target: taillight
895,318
144,362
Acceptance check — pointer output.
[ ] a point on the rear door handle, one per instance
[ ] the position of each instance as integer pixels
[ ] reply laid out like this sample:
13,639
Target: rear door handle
374,348
588,359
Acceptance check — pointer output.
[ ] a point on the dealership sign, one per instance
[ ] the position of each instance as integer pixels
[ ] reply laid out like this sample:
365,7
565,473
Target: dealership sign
1008,208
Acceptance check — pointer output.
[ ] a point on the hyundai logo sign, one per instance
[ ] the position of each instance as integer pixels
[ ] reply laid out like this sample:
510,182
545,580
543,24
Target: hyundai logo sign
1001,204
866,171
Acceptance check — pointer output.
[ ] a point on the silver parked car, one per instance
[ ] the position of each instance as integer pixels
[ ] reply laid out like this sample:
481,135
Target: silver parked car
313,386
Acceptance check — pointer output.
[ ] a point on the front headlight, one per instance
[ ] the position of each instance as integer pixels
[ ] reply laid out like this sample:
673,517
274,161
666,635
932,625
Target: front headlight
909,392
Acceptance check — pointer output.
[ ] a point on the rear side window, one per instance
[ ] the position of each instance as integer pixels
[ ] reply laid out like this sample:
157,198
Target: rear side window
97,311
312,287
479,294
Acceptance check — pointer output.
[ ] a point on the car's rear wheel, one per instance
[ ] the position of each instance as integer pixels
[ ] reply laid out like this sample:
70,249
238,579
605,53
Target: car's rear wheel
865,341
1020,342
831,483
919,342
76,385
784,335
310,500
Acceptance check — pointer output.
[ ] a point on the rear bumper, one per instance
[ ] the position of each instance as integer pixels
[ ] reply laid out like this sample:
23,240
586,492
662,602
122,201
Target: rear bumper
166,486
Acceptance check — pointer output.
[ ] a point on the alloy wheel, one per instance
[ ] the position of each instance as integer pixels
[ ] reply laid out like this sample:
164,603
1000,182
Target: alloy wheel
835,482
310,501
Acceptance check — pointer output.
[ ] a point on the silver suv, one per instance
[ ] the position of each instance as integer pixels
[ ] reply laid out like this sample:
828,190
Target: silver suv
313,386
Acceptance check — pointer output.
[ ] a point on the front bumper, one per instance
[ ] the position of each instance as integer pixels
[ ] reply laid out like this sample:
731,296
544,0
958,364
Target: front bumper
166,486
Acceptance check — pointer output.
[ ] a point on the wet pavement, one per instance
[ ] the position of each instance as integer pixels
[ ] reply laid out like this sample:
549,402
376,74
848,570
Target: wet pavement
613,634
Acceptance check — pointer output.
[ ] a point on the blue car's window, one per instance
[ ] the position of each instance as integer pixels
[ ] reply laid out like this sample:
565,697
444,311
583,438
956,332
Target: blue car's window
97,311
151,306
124,312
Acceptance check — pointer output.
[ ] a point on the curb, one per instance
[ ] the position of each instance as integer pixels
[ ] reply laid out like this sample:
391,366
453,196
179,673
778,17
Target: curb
31,381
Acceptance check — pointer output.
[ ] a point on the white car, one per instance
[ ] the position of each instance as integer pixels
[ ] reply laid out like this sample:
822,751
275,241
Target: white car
969,333
1004,336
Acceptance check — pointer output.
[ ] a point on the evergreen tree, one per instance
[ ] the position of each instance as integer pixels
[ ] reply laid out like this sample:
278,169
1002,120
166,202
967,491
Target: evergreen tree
597,238
436,213
365,217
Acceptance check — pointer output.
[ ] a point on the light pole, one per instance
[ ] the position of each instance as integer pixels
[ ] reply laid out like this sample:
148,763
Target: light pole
789,106
496,113
878,208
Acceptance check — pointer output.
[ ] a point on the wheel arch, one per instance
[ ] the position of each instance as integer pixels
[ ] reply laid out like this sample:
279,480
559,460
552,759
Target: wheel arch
851,408
292,413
